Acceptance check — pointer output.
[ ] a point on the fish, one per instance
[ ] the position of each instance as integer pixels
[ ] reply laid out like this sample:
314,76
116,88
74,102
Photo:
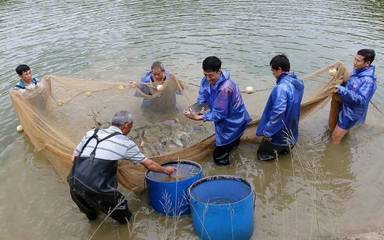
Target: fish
160,137
198,128
170,122
177,142
183,138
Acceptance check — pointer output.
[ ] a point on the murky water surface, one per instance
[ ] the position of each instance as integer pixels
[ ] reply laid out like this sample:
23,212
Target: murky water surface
320,192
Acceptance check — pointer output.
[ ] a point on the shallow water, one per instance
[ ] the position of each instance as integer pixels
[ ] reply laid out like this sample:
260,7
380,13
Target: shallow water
320,192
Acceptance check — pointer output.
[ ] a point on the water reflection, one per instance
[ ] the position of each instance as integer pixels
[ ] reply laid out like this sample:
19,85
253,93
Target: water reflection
336,169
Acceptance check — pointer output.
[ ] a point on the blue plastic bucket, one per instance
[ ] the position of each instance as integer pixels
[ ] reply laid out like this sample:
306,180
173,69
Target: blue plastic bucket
168,194
222,208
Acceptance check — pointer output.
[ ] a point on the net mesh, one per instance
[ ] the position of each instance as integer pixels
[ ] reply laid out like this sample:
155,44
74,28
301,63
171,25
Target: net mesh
56,115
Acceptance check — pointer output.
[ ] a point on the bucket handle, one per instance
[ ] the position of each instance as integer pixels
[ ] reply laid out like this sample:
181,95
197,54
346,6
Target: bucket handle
254,201
145,184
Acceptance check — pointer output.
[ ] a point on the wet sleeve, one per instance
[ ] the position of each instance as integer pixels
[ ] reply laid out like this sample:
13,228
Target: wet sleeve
275,122
360,97
134,154
220,107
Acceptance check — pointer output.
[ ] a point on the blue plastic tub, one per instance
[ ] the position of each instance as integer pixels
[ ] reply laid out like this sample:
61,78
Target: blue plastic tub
168,194
222,208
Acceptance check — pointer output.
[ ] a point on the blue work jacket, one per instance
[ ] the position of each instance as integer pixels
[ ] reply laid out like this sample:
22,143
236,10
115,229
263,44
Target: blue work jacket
227,109
355,96
280,119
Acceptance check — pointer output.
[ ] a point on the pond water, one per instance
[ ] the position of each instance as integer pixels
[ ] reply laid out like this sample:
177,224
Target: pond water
319,192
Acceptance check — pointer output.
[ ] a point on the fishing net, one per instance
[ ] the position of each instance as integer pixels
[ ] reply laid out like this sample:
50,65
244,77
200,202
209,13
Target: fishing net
56,115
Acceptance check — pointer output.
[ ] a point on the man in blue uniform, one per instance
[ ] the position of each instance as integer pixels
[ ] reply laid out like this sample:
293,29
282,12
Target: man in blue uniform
227,109
279,124
356,94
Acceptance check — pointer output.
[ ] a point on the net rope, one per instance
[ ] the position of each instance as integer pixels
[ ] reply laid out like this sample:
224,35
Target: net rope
56,115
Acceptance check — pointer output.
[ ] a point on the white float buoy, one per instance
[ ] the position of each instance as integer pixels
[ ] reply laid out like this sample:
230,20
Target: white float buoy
121,87
88,93
332,71
19,128
160,87
249,89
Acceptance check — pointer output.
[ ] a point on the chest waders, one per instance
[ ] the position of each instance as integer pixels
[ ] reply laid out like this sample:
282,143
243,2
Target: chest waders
94,174
93,185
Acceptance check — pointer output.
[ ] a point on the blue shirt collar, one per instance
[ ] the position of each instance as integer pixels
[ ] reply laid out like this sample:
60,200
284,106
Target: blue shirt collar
359,71
222,78
281,77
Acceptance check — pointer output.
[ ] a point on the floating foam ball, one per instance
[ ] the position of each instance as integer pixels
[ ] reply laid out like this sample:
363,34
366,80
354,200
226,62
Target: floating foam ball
60,103
249,89
160,87
332,71
19,128
121,87
88,93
